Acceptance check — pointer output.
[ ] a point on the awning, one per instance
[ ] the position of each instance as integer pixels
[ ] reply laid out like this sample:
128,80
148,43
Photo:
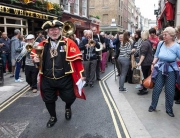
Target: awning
168,10
159,24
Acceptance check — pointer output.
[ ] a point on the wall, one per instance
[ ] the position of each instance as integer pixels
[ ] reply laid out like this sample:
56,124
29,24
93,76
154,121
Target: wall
106,9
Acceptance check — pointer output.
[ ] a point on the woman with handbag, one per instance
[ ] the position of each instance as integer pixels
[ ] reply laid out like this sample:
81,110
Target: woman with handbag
165,70
146,58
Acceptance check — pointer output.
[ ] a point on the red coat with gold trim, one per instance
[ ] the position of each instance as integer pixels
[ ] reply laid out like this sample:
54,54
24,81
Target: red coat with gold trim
74,56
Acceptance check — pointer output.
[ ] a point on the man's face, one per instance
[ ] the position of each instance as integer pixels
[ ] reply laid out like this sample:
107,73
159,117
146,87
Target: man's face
30,40
54,33
40,34
152,35
4,35
94,30
89,36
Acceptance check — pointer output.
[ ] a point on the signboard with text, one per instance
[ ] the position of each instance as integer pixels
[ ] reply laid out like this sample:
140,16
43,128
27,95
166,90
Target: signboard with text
26,13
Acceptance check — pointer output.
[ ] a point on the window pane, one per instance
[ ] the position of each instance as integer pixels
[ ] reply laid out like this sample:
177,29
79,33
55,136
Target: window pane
12,21
24,22
1,20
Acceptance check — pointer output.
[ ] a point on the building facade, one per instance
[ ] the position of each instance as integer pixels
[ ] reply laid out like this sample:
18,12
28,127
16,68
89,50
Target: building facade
76,12
167,13
110,13
28,17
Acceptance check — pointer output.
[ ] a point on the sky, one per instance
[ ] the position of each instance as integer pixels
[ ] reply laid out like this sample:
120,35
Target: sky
147,8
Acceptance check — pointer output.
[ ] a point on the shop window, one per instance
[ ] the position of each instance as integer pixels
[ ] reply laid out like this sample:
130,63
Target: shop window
1,20
1,30
76,7
84,8
12,21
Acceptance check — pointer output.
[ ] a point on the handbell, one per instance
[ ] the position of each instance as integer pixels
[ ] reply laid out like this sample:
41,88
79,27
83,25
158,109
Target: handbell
39,51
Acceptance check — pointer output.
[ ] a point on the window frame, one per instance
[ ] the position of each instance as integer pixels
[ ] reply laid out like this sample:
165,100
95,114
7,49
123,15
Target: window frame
77,7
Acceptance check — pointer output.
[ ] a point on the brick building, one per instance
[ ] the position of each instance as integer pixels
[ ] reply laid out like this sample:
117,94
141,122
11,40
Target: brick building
110,13
125,14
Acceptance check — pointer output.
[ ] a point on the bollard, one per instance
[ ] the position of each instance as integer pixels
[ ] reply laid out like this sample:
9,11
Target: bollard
1,72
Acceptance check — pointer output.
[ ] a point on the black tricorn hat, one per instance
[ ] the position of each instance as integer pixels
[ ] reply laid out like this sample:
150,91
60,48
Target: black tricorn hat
51,24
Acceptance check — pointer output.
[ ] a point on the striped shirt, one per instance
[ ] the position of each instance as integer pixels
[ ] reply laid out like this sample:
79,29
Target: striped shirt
125,50
137,46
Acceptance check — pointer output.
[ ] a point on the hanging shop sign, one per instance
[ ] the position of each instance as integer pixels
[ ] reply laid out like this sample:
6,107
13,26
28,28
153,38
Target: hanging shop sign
27,13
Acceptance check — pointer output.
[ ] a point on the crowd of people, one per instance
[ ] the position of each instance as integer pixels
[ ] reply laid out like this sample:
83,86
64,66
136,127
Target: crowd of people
156,54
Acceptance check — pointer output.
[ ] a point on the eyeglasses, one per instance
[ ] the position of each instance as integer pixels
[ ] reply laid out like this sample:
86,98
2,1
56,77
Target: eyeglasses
165,34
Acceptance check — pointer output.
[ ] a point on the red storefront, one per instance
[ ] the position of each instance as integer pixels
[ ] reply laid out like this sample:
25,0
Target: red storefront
167,16
81,23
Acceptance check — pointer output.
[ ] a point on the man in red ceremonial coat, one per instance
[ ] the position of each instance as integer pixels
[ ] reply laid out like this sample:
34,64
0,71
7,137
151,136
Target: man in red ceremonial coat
62,68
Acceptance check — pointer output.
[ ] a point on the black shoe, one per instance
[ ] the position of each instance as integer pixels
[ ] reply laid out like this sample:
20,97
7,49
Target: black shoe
143,92
51,122
177,102
11,76
151,109
68,114
91,85
170,114
98,79
86,85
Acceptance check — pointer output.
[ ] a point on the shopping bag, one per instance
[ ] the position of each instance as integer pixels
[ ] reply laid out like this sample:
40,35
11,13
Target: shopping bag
148,83
136,77
133,62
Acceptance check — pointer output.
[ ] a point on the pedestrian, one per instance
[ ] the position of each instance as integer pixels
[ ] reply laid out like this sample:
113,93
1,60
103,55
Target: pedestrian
124,60
154,39
16,48
164,70
61,69
40,37
104,53
116,51
6,52
90,57
98,39
31,71
146,58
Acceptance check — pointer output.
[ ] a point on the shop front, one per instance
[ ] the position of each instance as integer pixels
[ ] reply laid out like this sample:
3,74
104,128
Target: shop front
81,23
26,19
111,29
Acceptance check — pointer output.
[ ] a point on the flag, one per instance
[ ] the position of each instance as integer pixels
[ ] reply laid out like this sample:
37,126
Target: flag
71,1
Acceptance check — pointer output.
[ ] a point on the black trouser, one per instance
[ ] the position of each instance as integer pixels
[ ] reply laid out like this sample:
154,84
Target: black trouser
98,69
146,70
23,63
52,88
63,87
5,58
31,73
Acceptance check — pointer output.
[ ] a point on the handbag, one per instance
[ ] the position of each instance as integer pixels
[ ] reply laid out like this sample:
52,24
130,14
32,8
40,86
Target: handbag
148,83
136,77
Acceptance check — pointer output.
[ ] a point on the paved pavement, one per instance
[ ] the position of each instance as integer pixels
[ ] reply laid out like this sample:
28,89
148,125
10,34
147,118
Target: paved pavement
11,87
107,113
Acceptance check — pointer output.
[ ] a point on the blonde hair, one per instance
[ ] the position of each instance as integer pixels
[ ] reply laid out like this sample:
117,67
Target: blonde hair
177,29
145,35
170,30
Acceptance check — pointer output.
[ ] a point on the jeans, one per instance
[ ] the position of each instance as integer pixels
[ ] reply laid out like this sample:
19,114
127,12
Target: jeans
5,58
124,62
18,68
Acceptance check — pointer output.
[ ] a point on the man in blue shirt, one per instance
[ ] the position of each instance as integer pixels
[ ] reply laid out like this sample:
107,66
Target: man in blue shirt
5,49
